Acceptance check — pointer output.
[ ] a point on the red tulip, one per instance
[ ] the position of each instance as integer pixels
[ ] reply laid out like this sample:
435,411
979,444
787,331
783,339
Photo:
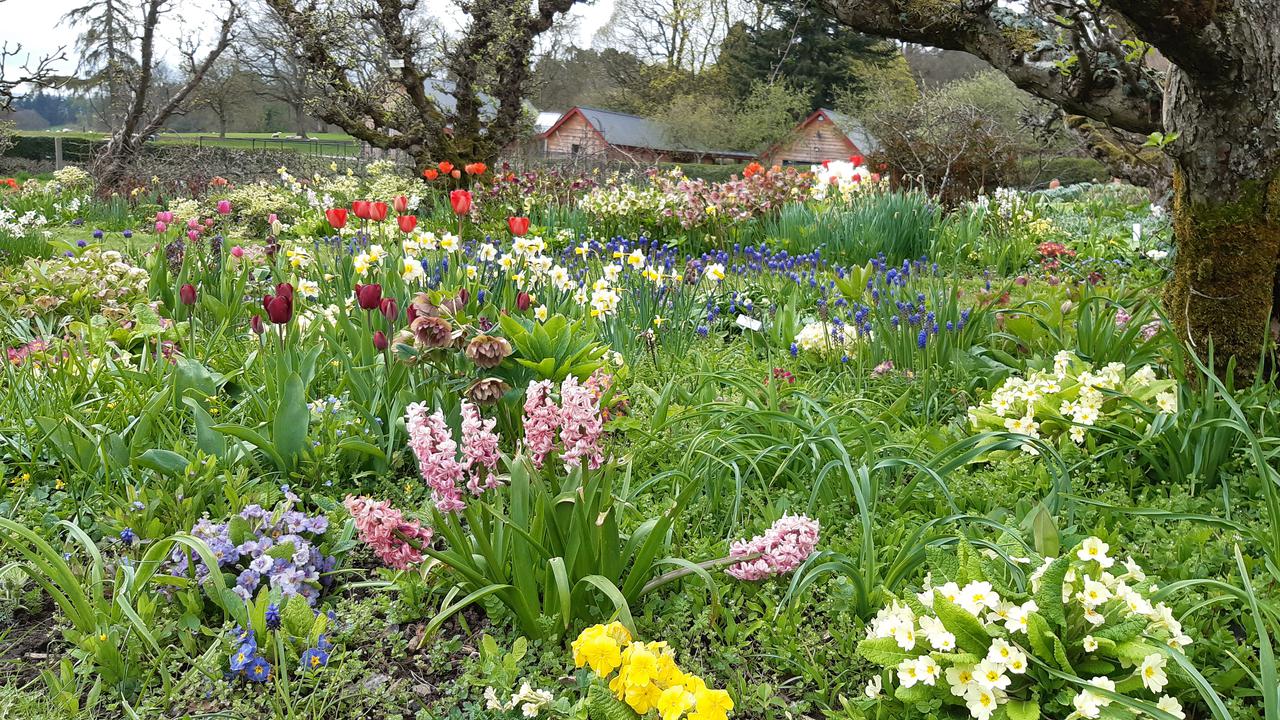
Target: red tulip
285,289
461,201
464,295
476,168
523,301
518,225
410,314
430,174
855,159
400,203
377,211
361,209
390,309
456,174
188,294
279,307
255,324
380,340
369,296
446,167
407,223
337,217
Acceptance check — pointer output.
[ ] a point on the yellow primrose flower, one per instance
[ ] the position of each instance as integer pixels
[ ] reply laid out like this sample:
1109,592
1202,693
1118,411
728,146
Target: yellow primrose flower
711,705
59,485
597,649
674,701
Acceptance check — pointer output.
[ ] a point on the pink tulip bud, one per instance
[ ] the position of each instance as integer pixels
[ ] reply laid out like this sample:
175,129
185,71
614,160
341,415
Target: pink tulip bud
272,219
224,207
193,235
237,252
192,224
160,226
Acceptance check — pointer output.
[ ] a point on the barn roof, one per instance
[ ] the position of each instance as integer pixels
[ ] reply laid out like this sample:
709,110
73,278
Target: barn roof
623,130
853,129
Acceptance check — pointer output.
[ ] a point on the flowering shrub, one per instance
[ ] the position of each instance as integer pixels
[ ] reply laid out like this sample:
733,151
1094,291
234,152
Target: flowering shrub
975,641
281,549
759,192
1072,399
779,550
842,180
647,677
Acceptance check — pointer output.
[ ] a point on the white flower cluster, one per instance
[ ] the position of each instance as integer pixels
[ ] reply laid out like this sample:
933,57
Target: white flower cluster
628,201
1077,393
530,701
821,336
16,226
1090,590
840,179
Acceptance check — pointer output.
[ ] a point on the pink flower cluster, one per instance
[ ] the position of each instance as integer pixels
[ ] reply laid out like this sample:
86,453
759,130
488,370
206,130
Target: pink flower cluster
437,454
377,524
480,450
780,549
577,418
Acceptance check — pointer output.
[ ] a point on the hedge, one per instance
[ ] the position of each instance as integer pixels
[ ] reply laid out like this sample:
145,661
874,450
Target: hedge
75,149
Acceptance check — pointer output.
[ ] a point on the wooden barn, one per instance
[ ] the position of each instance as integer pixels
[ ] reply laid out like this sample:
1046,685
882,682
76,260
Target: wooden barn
824,135
603,134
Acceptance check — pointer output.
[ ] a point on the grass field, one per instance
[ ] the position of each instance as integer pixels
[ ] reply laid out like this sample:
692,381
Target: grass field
338,144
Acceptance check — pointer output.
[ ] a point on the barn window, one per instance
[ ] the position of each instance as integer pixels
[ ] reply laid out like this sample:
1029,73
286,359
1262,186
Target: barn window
575,148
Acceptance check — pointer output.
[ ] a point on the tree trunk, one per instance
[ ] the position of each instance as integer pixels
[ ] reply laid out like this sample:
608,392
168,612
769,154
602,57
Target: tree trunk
300,119
1227,206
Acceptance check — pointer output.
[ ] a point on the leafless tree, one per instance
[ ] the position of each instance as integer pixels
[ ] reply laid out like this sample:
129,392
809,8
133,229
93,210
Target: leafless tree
393,98
1216,112
142,119
20,72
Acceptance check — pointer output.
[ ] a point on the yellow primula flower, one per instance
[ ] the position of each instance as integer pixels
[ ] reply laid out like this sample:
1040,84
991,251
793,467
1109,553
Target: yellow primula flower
594,647
711,705
674,701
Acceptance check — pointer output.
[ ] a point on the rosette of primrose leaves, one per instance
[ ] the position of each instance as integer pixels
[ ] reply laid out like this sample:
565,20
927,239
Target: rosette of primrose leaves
1082,639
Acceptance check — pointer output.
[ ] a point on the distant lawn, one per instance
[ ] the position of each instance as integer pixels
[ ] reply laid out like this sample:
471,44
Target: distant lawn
325,143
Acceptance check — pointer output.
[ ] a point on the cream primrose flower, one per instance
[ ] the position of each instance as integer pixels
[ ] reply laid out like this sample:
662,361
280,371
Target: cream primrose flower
874,687
908,673
990,675
1152,672
1094,549
1090,643
1167,402
981,701
960,679
1000,652
1172,706
928,670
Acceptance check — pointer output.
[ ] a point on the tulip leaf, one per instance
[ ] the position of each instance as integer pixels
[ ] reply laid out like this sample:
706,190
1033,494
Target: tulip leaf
289,430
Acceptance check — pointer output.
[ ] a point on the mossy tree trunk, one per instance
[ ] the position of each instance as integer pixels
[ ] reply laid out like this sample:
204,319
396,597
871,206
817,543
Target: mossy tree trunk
1227,202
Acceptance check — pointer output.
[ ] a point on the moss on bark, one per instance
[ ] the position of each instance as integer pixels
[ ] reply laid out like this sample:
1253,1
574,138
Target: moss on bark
1225,273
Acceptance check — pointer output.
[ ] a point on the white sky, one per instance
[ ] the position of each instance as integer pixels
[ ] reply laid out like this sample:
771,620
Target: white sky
34,23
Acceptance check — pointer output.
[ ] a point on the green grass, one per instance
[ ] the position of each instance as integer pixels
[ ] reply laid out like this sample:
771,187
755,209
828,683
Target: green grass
238,141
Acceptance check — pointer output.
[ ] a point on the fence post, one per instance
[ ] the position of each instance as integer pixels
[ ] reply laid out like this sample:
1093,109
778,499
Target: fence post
57,152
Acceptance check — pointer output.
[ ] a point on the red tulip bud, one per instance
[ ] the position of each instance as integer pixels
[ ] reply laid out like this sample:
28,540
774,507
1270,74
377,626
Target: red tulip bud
461,201
255,324
361,209
337,217
188,294
407,223
377,211
380,340
369,296
390,308
400,203
518,226
523,301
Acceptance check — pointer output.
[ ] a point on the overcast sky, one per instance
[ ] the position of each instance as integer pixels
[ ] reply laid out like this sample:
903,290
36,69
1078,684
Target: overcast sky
34,23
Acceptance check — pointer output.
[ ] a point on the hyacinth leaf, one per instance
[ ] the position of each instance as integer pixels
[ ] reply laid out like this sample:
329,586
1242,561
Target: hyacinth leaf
165,462
970,635
1022,710
1049,596
602,705
884,651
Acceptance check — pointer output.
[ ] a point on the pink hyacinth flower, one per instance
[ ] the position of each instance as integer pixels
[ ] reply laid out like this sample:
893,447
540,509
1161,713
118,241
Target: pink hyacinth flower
479,450
780,549
437,454
381,527
541,420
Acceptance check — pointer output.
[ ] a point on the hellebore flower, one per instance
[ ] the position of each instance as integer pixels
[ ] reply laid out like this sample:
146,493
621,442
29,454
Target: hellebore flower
487,351
432,332
487,391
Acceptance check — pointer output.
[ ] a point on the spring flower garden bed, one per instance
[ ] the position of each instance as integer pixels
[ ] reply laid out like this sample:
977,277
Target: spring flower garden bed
490,443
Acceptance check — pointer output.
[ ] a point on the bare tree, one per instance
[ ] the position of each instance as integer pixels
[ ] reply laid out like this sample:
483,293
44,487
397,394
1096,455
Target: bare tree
269,51
30,73
106,48
1216,111
142,120
224,89
393,101
679,34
